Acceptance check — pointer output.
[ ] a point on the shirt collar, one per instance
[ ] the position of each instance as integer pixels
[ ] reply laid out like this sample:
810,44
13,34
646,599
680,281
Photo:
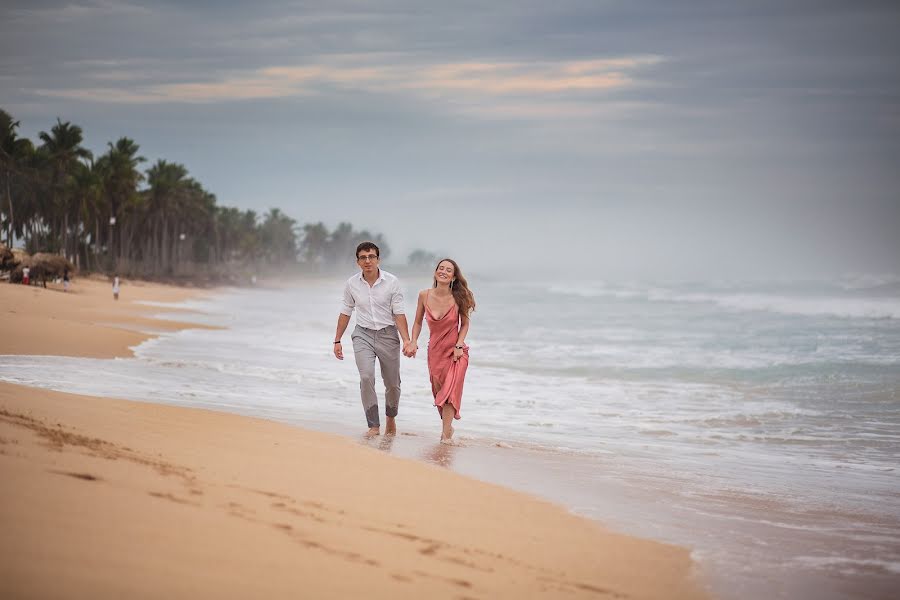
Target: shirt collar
380,277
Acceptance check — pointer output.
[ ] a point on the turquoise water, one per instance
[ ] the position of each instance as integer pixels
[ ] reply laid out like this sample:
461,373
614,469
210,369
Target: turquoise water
758,424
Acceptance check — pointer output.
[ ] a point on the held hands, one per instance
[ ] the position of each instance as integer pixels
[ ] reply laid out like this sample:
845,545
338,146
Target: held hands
410,348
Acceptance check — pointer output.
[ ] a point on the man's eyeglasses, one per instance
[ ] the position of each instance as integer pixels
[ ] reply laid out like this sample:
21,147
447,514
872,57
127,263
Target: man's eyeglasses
367,257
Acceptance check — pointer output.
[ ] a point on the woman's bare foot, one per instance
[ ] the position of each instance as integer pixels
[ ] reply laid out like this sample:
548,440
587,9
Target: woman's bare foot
373,432
391,427
447,436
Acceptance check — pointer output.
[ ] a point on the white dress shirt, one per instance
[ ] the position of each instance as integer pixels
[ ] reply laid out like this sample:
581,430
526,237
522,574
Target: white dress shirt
375,305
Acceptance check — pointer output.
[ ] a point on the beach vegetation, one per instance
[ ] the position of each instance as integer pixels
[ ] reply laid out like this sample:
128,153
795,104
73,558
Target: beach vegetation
105,214
326,249
421,258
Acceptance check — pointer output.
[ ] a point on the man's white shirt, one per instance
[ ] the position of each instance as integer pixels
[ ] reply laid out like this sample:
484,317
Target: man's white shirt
375,305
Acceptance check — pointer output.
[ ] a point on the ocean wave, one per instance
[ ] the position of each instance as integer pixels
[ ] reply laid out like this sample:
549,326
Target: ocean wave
851,565
867,308
869,281
742,421
801,305
610,360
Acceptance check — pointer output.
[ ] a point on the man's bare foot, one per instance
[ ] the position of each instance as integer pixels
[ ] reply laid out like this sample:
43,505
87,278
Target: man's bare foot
373,432
391,427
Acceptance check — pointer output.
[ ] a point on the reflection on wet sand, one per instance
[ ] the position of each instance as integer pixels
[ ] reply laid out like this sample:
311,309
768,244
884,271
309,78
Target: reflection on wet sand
385,443
379,442
440,454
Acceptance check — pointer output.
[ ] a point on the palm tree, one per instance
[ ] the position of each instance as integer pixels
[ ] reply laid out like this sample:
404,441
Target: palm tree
194,209
120,180
315,242
421,258
344,239
279,237
62,149
249,244
340,242
167,182
87,189
30,191
228,222
15,153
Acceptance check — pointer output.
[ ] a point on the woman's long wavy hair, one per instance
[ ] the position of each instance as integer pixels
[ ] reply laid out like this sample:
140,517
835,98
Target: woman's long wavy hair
465,300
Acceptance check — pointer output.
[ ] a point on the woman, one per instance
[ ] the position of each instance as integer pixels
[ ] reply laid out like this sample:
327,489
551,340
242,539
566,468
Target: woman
446,307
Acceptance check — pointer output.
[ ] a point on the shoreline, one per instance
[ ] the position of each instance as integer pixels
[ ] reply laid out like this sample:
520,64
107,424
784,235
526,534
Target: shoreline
85,321
149,489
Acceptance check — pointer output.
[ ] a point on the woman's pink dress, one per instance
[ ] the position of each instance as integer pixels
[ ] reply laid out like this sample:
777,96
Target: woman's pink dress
447,377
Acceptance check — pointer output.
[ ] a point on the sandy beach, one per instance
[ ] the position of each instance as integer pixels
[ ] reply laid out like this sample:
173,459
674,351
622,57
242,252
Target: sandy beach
111,498
86,320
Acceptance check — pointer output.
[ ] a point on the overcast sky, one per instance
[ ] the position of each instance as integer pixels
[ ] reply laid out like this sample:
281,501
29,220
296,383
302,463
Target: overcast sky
622,138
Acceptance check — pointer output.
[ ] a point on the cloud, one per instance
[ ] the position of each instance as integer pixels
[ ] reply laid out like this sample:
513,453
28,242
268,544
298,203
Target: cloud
530,77
76,11
489,89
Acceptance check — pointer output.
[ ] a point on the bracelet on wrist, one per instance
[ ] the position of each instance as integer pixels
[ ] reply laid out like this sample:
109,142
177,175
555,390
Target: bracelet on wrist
338,342
459,347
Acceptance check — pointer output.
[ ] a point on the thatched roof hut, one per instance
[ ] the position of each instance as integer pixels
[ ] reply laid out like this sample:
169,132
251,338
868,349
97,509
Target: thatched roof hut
49,266
21,257
14,265
6,258
42,266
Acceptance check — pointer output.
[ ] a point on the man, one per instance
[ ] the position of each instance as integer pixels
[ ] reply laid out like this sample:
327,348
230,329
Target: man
378,300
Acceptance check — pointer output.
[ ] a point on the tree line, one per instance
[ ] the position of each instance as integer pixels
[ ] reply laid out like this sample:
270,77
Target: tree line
103,213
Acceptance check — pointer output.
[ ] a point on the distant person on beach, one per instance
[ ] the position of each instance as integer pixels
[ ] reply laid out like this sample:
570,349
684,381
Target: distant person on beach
446,306
380,323
26,276
66,280
116,287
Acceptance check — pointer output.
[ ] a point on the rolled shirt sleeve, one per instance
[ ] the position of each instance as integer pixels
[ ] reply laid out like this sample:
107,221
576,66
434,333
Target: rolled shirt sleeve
397,305
347,302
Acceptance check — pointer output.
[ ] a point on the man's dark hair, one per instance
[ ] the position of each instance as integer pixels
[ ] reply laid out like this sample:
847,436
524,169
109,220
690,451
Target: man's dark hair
368,246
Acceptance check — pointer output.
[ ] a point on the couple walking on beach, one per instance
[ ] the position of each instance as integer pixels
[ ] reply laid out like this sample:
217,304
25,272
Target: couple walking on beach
382,333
